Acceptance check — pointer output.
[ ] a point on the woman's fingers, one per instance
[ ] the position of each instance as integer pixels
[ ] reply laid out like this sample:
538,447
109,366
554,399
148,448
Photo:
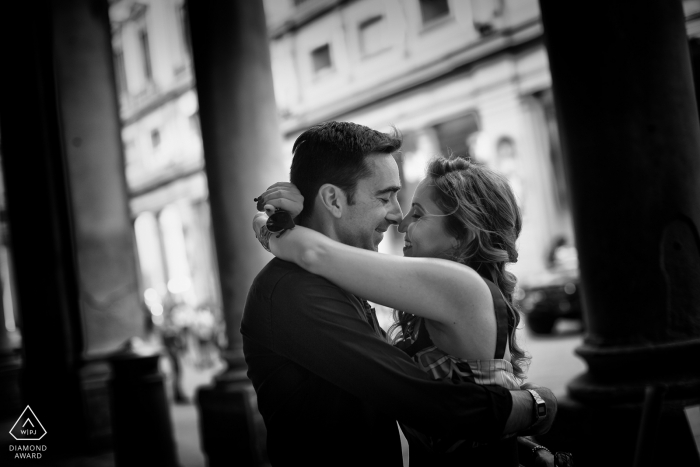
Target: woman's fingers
289,195
282,195
283,187
287,185
291,207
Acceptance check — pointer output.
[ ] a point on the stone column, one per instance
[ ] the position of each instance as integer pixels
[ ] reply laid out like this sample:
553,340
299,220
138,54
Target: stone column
110,305
629,123
37,210
68,213
242,152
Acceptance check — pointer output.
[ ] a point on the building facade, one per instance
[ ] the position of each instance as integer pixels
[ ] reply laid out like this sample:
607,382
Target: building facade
163,154
453,77
463,78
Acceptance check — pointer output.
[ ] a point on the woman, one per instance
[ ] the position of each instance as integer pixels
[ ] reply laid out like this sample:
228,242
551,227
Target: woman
456,319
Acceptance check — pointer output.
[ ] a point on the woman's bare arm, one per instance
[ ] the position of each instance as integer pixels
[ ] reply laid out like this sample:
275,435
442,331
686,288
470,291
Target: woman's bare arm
436,289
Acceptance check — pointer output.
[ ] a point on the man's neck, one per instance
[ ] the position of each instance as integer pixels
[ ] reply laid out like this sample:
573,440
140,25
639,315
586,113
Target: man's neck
320,224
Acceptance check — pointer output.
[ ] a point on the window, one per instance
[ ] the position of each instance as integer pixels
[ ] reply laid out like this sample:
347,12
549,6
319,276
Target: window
184,26
556,155
431,10
455,136
321,58
145,54
155,138
372,38
130,152
487,15
120,71
194,124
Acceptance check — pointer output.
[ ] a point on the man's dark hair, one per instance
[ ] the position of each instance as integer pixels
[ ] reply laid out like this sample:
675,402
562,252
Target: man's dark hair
335,152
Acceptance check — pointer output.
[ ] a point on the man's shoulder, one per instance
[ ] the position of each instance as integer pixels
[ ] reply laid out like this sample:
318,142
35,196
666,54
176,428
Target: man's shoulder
284,274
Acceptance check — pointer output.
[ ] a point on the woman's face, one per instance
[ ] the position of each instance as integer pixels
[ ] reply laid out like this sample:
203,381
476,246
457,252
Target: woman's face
425,226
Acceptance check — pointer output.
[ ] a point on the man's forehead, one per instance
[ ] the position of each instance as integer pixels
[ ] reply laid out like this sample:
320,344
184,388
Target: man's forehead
384,172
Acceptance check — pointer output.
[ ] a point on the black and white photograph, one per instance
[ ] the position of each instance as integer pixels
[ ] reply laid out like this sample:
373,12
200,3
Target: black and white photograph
349,233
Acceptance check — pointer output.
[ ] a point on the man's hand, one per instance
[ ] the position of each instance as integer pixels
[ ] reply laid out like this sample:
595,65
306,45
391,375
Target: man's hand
545,423
283,195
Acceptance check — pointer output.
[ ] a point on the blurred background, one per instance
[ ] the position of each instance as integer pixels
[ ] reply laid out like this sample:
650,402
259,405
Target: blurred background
437,71
463,77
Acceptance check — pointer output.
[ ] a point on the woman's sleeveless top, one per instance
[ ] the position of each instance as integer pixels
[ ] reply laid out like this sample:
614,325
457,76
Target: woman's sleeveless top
427,450
441,365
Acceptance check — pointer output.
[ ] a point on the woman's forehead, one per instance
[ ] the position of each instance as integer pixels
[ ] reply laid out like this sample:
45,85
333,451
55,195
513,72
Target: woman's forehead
425,196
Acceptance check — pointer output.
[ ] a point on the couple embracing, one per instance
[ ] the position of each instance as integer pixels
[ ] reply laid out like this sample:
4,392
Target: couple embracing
445,386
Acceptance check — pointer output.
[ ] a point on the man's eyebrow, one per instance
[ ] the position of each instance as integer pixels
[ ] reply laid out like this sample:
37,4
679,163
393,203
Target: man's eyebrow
391,189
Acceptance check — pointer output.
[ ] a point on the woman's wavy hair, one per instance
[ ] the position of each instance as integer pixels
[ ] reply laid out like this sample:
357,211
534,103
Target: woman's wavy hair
477,200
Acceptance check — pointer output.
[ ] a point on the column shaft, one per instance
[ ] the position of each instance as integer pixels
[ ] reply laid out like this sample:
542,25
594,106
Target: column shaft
38,217
626,107
627,114
241,139
242,153
72,241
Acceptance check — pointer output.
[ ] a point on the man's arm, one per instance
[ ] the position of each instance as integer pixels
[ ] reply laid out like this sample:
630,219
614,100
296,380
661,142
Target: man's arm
522,418
315,324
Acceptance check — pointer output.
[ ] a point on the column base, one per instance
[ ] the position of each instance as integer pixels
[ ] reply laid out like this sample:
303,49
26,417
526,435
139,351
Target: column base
606,435
95,397
10,398
619,374
231,428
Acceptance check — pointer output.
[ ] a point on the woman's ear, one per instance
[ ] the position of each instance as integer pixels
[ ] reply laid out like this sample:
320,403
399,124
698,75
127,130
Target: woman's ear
333,199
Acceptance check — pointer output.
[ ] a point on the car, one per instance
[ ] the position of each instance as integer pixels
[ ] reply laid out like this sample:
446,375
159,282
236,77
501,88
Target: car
553,295
544,305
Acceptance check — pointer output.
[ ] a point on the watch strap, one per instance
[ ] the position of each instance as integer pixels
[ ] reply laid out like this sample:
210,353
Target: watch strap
540,404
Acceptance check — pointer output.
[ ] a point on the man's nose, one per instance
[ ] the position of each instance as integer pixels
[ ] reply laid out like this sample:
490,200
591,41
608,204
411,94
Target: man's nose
395,215
403,225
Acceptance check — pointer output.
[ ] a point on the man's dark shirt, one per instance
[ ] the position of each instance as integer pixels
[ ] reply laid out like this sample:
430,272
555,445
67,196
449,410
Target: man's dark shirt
330,389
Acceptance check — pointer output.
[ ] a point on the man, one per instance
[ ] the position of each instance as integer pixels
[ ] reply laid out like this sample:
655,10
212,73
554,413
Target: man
329,386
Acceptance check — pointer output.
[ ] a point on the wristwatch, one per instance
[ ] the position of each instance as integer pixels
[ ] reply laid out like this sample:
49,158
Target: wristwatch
540,405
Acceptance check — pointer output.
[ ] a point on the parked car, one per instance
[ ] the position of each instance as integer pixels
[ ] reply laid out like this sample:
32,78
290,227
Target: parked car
555,295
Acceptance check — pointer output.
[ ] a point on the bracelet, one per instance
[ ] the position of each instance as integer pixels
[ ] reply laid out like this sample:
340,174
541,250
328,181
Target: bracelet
538,447
280,221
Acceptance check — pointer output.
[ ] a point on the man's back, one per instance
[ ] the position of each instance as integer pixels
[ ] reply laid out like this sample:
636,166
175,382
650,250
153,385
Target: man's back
309,419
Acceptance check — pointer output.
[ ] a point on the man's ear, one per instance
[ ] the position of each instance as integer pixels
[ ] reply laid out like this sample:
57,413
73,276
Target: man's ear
333,199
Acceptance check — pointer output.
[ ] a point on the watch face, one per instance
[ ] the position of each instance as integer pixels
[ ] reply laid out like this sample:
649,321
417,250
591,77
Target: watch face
541,410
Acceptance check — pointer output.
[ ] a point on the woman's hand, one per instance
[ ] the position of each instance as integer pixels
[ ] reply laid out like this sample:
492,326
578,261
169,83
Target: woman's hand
283,195
259,220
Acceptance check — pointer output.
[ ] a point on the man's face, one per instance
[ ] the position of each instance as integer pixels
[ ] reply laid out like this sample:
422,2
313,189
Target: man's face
376,206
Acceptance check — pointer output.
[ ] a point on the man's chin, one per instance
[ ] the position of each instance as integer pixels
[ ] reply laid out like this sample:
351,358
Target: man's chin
377,241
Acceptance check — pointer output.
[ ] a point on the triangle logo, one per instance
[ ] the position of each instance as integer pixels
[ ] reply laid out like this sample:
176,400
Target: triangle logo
28,427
